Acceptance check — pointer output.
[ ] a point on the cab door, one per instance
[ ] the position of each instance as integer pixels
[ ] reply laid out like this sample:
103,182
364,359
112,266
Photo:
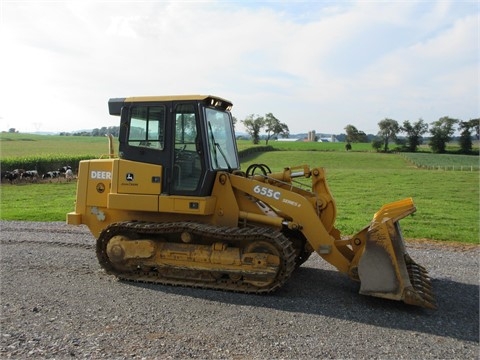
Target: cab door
188,166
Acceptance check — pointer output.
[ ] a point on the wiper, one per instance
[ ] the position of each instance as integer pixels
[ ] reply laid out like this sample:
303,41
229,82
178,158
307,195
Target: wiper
212,139
224,156
217,146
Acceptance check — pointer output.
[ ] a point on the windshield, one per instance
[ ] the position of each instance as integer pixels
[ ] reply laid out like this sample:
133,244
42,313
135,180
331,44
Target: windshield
221,140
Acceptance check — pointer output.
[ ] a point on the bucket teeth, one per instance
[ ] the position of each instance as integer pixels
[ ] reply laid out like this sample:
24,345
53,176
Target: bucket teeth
417,270
429,299
421,284
417,273
421,292
409,262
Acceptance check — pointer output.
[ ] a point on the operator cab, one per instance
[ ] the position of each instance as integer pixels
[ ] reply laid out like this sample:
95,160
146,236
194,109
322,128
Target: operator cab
191,137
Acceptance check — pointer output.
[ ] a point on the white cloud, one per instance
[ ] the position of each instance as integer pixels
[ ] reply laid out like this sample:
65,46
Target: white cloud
314,65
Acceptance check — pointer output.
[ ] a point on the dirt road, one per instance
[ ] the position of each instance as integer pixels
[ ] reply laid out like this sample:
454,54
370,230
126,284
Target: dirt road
56,302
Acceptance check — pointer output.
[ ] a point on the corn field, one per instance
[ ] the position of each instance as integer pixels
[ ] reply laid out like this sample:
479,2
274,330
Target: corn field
445,162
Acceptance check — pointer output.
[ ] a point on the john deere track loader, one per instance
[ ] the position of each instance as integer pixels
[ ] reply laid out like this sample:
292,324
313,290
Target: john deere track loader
175,208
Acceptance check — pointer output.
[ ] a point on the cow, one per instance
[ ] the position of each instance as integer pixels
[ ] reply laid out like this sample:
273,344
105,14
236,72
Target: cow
64,169
19,172
30,174
51,174
69,174
10,176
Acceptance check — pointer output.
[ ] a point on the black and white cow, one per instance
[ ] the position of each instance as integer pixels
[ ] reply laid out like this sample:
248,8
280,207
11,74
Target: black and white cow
51,174
64,169
10,176
30,174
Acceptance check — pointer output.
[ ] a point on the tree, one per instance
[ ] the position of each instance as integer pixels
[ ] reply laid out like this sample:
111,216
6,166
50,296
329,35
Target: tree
253,124
274,127
377,144
389,129
351,132
362,137
466,136
414,133
354,135
442,131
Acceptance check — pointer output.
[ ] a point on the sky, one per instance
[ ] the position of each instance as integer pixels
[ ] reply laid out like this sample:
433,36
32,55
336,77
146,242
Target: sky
315,65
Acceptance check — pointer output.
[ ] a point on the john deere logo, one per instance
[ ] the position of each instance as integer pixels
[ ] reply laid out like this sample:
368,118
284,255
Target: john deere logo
129,177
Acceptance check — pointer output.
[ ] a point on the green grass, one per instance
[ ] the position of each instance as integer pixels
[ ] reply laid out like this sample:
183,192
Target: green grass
13,145
361,182
443,161
447,202
306,146
37,202
352,160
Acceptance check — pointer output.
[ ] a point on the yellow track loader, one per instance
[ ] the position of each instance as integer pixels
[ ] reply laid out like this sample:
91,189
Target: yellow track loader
174,207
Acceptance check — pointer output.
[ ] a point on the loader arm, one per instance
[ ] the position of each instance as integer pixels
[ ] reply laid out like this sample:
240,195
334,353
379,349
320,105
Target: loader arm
375,256
301,216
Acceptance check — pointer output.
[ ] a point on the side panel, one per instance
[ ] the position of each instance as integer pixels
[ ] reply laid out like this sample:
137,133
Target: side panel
137,178
135,186
97,174
133,202
187,204
93,186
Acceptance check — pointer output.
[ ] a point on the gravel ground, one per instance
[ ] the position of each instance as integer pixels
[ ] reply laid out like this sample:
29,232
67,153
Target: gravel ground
56,302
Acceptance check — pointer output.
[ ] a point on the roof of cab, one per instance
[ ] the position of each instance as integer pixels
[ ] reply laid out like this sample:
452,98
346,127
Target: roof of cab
173,98
115,104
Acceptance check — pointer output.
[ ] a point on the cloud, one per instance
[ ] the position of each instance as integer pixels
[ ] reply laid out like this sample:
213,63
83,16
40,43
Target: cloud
313,65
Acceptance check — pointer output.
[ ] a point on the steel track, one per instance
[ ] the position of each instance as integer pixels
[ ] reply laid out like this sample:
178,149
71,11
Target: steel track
194,278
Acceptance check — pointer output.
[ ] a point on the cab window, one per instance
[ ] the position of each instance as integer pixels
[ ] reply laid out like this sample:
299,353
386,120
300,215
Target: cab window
147,127
221,140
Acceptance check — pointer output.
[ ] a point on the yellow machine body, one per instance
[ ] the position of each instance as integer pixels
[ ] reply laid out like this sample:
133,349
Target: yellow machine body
240,231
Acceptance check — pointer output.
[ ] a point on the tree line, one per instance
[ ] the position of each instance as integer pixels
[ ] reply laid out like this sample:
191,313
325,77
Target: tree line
441,132
103,131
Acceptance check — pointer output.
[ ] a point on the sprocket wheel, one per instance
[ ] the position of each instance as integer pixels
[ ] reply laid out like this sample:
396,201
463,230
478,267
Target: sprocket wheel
264,247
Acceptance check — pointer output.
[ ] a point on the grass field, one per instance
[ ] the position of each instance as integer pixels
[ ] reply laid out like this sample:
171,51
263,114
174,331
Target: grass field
447,202
20,145
361,182
443,161
37,202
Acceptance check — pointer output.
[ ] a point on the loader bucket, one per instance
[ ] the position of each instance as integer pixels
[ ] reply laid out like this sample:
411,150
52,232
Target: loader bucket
385,269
